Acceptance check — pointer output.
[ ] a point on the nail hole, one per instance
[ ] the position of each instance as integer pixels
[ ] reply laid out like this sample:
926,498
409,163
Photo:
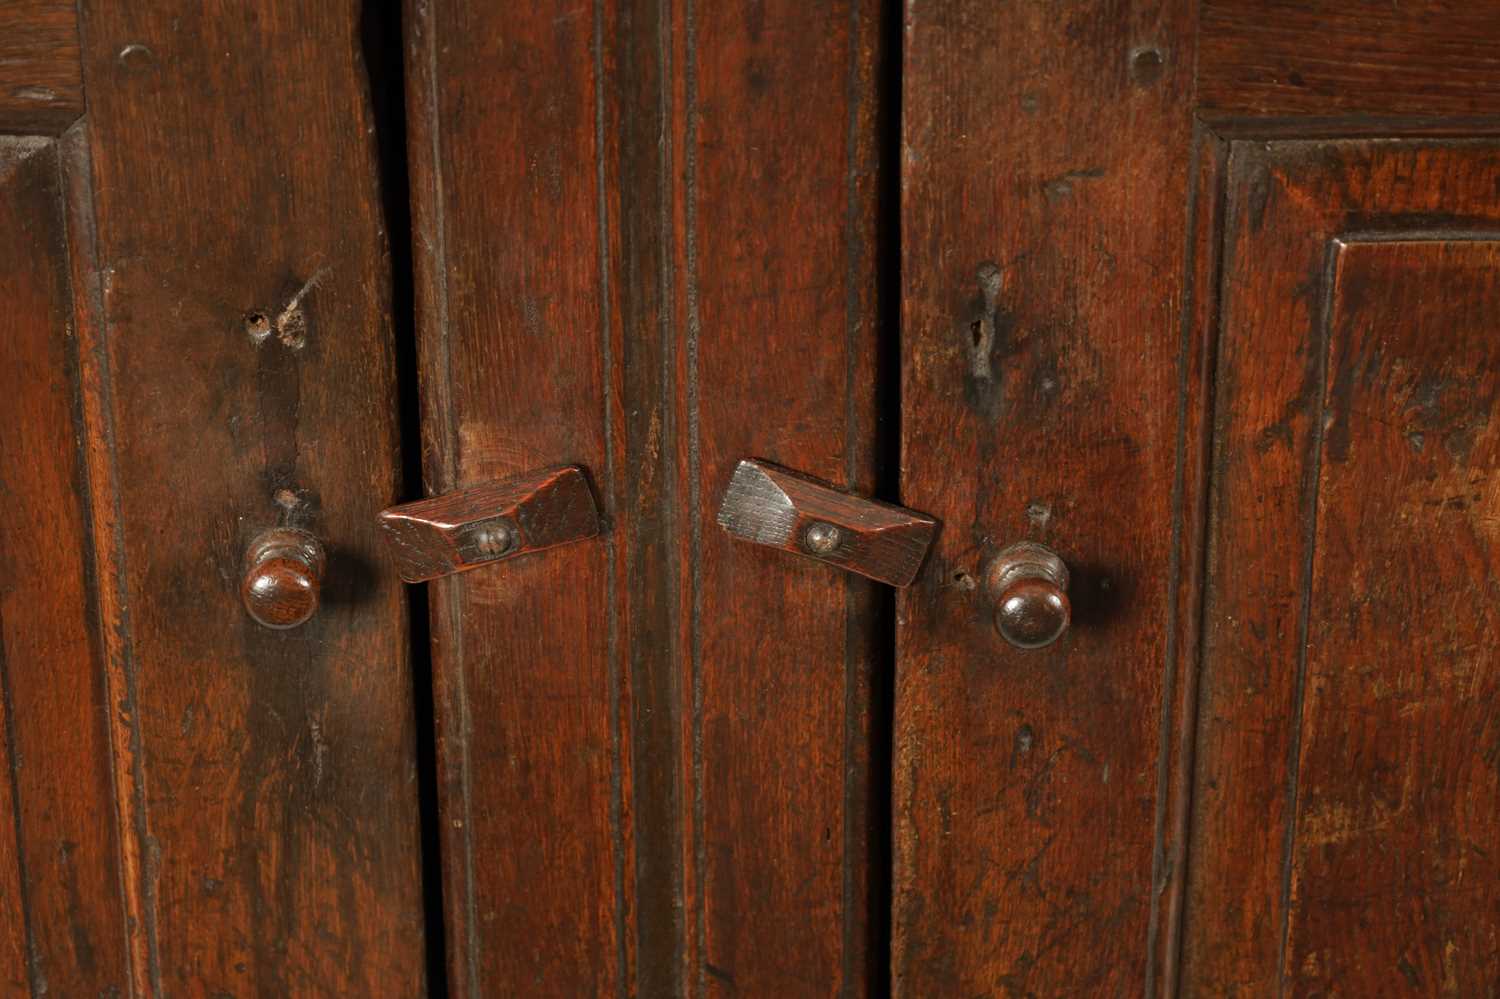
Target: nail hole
257,325
1146,65
135,55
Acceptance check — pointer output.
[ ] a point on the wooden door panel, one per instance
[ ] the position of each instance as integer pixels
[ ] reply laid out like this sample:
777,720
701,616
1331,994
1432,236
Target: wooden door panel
60,899
528,699
198,346
645,238
1402,679
1342,782
782,317
1083,187
1043,211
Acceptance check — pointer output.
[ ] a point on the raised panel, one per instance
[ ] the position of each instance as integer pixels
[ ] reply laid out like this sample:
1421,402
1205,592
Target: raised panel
1398,768
1346,709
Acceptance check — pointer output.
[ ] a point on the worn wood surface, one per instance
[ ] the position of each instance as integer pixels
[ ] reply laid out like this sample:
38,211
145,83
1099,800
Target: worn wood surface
265,779
610,221
776,117
1044,194
1349,512
1331,58
503,108
773,506
41,79
60,901
1398,769
463,530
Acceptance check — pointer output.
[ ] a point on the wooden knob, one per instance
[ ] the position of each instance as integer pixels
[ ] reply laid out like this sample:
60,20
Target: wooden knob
1029,584
283,570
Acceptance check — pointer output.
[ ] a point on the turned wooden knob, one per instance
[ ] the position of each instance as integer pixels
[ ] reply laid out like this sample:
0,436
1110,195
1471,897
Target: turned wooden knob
1029,584
283,570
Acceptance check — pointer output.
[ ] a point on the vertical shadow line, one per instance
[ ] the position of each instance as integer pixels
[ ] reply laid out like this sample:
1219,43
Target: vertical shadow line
882,306
612,617
440,462
381,42
1161,870
856,595
1312,485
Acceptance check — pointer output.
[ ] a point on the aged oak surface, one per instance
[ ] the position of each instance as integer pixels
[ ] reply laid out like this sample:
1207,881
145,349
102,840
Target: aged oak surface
1343,57
1198,293
1064,818
1346,711
1044,183
653,748
239,375
62,915
503,109
777,117
1398,768
41,82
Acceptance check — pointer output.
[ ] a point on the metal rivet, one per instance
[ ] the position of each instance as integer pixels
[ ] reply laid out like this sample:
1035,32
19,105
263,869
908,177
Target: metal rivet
494,539
821,538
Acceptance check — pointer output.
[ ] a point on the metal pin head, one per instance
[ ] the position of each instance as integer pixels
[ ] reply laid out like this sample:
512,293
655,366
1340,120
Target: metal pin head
494,539
822,538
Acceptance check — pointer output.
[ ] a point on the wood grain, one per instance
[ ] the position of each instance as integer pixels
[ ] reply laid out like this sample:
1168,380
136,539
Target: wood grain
1044,193
459,531
14,970
504,108
41,78
283,579
60,897
611,218
1297,647
776,122
1398,771
266,779
777,508
1342,57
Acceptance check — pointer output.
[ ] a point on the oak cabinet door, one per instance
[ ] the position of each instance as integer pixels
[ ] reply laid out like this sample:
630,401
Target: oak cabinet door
1176,314
1345,787
196,345
645,242
1198,295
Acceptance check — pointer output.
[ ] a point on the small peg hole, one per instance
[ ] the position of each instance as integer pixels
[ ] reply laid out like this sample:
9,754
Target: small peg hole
257,325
